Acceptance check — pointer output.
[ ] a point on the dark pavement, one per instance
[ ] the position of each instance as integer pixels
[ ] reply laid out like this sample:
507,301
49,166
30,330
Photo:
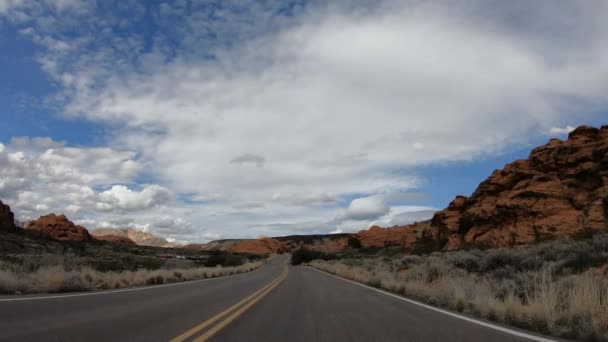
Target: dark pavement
306,306
313,306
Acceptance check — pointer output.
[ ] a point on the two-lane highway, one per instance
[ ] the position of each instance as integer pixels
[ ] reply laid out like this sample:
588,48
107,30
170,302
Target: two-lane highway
274,303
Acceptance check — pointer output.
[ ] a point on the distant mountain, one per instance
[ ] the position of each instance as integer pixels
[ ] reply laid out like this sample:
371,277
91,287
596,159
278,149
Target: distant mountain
217,245
137,236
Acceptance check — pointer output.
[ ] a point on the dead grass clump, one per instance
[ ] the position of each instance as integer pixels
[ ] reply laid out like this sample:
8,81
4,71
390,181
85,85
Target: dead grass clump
58,279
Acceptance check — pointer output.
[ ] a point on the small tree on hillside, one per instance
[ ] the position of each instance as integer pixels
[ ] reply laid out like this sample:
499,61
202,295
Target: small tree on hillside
354,242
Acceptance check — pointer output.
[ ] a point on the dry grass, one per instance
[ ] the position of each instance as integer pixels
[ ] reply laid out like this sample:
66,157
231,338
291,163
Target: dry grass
547,293
58,278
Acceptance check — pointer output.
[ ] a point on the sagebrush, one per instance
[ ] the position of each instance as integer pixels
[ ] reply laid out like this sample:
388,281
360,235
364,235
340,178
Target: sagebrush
63,278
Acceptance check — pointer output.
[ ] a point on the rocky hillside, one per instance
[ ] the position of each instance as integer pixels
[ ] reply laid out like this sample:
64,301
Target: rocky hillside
58,227
259,246
138,237
7,219
560,191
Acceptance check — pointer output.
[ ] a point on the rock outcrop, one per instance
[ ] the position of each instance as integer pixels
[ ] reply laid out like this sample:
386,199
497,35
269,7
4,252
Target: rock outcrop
58,227
385,237
259,246
7,219
560,191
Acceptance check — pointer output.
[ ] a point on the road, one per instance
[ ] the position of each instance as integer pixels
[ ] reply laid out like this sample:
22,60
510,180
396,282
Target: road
274,303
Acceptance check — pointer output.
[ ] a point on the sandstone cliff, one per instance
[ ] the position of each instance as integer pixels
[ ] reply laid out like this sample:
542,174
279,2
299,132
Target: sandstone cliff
560,191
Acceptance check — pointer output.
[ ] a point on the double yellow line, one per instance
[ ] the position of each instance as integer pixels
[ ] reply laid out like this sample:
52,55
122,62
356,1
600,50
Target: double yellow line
238,308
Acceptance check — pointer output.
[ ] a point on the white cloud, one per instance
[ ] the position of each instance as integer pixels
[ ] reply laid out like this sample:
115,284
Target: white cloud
121,197
366,208
561,130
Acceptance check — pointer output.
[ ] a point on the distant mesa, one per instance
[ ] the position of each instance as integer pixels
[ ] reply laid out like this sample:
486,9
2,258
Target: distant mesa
217,245
58,227
136,236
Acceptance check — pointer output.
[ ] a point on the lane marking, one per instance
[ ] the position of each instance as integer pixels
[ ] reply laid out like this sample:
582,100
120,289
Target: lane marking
212,320
239,312
455,315
139,288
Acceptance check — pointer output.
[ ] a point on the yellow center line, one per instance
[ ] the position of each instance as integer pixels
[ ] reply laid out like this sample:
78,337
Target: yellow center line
239,312
211,320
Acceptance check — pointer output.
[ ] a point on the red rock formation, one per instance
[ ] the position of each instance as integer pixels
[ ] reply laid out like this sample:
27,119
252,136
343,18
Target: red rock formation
7,219
59,228
115,239
384,237
259,246
560,191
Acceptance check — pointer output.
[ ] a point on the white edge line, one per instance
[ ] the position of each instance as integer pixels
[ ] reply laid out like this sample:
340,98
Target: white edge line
468,319
140,288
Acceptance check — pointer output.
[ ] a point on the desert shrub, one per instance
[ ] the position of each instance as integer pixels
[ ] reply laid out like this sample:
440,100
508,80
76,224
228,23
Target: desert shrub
155,280
467,260
73,281
354,242
303,255
57,279
410,260
232,260
224,260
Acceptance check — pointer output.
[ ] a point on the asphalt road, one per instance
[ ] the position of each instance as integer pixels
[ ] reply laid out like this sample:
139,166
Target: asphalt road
274,303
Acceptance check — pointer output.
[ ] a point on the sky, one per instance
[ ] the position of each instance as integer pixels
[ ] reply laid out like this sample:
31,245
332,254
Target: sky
199,120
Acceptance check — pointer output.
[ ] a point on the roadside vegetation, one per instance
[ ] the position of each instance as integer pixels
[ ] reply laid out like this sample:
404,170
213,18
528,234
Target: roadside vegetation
558,288
30,263
65,274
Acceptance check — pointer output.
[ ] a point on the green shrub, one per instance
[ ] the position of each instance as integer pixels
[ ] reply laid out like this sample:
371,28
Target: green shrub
354,242
304,255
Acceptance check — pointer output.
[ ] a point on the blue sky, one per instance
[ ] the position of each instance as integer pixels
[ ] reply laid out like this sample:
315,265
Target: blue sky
200,120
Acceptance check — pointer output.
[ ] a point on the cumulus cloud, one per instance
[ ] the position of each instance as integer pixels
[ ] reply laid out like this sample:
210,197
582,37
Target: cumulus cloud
38,175
366,208
121,197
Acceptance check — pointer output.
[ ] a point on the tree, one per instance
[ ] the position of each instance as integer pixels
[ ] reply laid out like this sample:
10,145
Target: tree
354,242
